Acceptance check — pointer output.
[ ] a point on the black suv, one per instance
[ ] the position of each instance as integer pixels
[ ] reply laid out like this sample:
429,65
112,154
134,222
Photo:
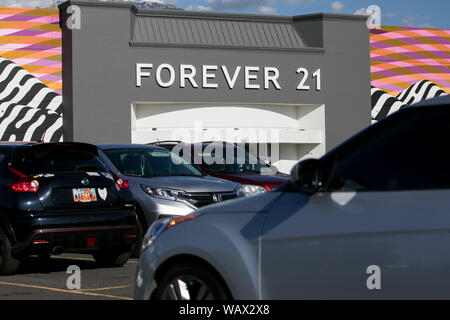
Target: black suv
59,197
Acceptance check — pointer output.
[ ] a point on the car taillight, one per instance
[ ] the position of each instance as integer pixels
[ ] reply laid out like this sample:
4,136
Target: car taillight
25,186
123,184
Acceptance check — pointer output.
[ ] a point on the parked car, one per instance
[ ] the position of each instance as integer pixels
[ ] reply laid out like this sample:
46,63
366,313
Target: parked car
242,167
369,220
163,184
59,197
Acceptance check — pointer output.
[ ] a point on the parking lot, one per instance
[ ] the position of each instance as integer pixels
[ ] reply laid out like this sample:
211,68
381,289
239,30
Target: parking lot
37,280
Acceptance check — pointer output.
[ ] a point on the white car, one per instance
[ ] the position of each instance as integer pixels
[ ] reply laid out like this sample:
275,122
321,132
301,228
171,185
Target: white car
369,220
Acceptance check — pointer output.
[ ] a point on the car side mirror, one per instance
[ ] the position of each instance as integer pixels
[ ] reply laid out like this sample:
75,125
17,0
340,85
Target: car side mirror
274,169
306,176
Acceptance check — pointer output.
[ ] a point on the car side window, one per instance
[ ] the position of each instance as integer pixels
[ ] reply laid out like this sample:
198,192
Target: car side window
4,157
408,154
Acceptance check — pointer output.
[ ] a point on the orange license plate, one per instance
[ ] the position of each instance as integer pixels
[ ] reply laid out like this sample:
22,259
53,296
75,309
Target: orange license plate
84,195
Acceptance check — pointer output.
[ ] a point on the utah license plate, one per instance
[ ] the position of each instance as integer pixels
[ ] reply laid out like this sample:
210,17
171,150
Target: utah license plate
84,195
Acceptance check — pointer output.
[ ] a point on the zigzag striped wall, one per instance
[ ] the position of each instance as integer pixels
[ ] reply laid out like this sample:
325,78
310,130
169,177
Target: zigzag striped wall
407,65
32,39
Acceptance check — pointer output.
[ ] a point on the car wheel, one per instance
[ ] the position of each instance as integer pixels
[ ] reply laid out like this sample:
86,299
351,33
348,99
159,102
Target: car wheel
8,264
190,282
110,259
139,236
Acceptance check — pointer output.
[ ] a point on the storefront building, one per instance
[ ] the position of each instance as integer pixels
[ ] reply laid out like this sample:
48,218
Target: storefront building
141,76
293,87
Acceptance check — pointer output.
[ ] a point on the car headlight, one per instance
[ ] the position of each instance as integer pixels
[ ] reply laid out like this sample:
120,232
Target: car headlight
153,232
240,192
159,226
164,193
251,189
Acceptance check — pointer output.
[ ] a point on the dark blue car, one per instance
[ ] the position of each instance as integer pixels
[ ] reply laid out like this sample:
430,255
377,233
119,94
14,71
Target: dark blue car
59,197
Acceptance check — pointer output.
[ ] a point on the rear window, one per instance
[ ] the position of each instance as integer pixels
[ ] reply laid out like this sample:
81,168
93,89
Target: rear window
149,163
38,160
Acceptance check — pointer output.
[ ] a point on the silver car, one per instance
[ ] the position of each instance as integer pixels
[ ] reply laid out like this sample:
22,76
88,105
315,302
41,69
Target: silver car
369,220
163,184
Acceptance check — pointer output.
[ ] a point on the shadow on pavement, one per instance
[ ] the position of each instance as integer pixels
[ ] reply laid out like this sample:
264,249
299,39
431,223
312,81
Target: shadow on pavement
54,264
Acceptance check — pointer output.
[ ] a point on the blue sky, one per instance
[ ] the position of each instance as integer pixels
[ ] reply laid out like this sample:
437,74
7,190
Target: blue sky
415,13
418,13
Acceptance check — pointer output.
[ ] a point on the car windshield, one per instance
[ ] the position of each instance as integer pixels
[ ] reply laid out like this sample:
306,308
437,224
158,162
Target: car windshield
232,159
149,163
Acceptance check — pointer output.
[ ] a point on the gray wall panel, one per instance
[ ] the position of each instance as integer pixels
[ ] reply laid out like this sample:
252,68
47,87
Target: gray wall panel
211,32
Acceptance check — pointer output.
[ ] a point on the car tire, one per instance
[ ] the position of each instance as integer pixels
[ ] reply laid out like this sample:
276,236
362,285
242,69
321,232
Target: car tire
139,237
8,264
198,281
110,259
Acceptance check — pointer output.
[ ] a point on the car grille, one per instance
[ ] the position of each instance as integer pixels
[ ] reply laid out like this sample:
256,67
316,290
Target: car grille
203,199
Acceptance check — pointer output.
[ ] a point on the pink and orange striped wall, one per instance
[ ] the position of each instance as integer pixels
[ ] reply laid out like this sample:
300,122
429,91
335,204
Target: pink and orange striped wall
32,39
401,57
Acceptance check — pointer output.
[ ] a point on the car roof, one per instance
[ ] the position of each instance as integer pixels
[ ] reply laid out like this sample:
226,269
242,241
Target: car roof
128,146
437,101
17,143
431,105
204,143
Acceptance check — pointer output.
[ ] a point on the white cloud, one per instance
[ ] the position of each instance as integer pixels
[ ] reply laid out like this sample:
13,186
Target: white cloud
416,20
198,8
387,16
237,4
157,1
337,6
267,10
53,3
426,25
298,1
384,16
362,11
27,3
144,1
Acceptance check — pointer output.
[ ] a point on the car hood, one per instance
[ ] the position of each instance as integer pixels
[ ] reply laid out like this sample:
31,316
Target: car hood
253,204
188,184
256,179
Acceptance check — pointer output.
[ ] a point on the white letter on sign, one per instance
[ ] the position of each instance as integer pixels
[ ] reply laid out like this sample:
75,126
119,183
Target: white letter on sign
271,78
207,76
187,76
231,81
140,73
171,75
249,77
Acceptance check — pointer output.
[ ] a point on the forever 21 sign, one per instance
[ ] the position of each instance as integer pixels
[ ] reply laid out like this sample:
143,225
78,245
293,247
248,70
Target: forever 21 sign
165,76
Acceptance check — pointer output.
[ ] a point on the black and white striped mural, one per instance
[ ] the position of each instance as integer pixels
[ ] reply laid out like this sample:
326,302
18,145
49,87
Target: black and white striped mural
384,104
29,110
